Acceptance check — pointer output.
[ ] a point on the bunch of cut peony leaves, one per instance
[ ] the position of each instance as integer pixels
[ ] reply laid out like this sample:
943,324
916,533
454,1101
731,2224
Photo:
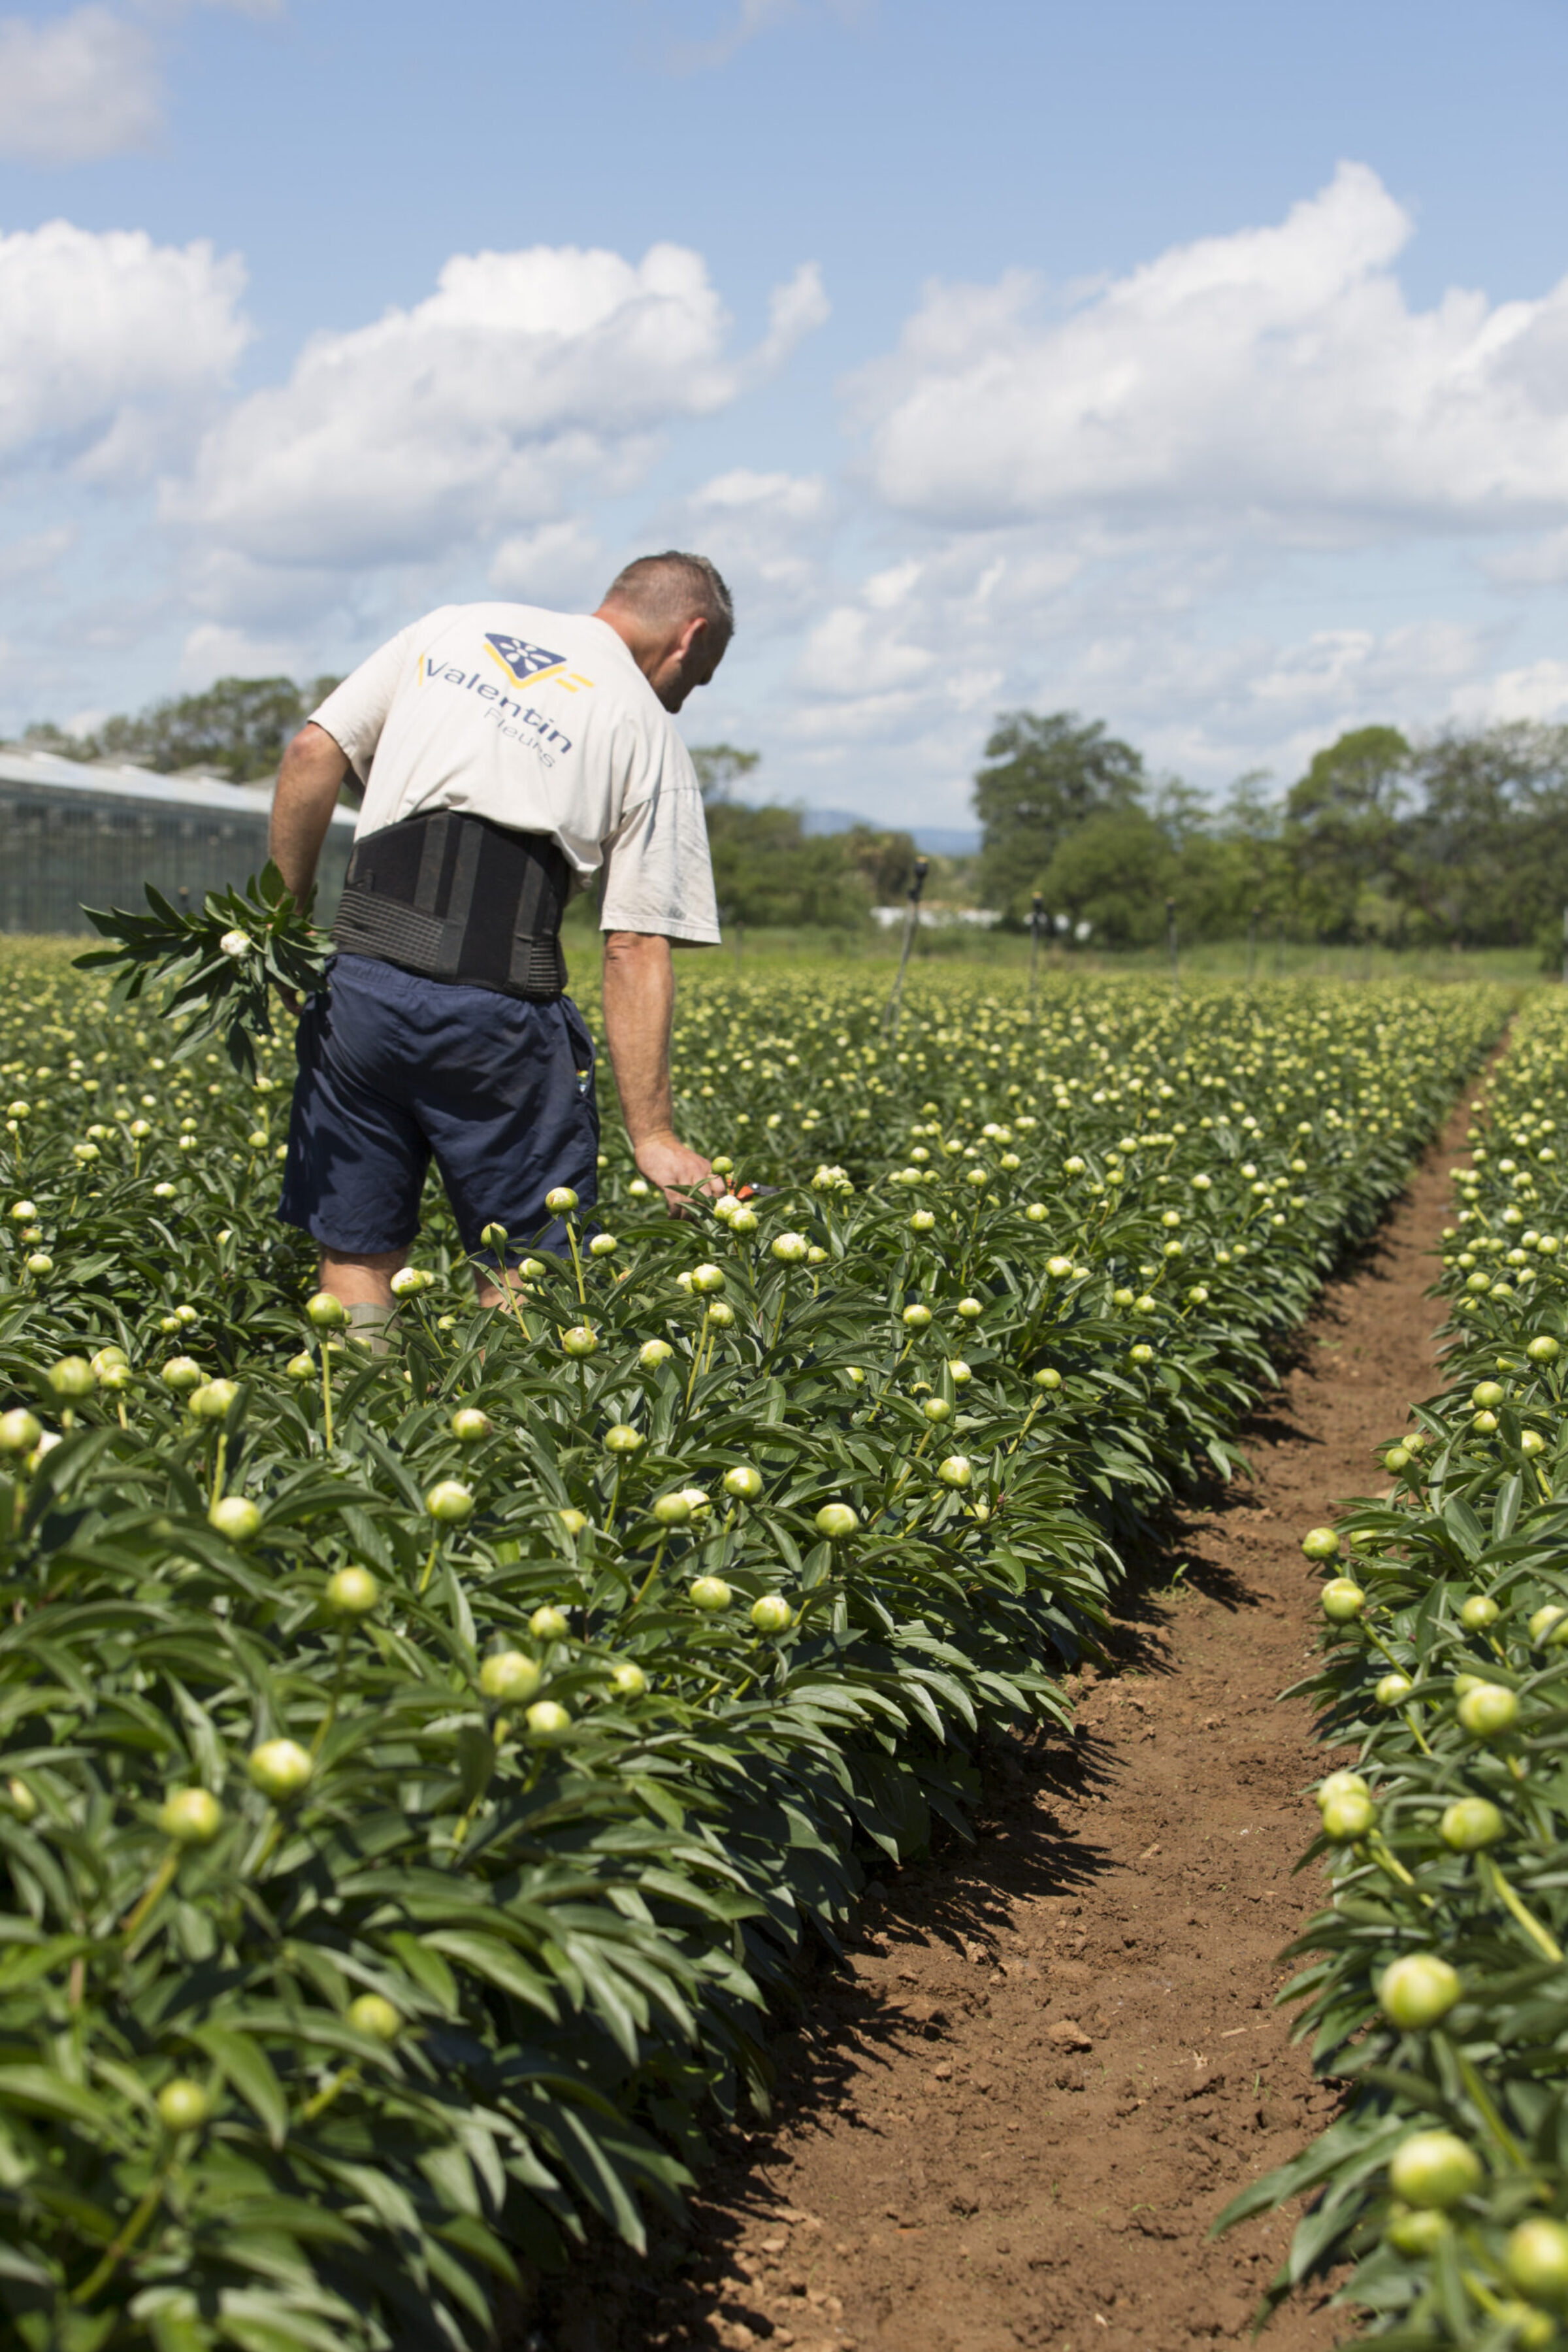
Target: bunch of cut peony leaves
214,971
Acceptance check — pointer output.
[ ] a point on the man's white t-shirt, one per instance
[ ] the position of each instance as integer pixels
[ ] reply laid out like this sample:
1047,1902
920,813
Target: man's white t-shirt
541,721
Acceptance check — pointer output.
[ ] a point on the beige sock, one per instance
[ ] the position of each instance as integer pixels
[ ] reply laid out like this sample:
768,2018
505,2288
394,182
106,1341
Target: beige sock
370,1325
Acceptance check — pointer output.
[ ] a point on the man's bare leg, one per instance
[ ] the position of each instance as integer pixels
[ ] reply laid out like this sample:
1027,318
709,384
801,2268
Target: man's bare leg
363,1283
362,1278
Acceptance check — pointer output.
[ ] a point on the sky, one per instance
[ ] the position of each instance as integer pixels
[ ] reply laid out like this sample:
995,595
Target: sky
1203,372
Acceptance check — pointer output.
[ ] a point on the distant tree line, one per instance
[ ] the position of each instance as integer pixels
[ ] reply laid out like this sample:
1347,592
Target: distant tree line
767,869
237,729
1460,839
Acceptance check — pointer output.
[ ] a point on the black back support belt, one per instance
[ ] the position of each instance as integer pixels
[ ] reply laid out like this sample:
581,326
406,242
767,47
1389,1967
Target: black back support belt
457,898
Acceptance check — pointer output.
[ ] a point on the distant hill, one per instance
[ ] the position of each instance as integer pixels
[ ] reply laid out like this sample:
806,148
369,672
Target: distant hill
931,840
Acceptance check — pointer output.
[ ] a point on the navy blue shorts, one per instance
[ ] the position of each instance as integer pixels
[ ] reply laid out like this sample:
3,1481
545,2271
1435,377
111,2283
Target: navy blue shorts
394,1068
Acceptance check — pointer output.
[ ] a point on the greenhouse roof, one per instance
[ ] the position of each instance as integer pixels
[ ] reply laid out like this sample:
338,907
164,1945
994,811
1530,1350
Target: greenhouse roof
49,770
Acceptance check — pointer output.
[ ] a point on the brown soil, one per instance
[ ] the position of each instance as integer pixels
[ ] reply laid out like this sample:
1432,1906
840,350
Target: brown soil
1012,2115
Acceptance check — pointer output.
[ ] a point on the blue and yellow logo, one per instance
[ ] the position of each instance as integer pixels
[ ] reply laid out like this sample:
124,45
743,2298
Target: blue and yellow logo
527,664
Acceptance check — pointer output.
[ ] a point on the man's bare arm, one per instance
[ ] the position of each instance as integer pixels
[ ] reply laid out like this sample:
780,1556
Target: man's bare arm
639,1006
308,782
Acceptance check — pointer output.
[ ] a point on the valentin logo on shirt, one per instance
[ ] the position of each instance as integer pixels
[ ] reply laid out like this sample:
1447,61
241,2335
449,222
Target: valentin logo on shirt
520,660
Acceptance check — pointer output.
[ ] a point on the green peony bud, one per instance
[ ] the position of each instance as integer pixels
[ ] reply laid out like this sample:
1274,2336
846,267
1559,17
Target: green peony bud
351,1592
183,2106
236,1518
508,1676
1416,1991
1489,1710
836,1522
1469,1823
548,1723
373,2015
1537,2260
1434,2169
449,1502
191,1816
280,1768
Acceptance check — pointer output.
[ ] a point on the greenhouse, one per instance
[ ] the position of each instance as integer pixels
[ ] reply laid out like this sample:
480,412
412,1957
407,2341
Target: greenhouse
74,835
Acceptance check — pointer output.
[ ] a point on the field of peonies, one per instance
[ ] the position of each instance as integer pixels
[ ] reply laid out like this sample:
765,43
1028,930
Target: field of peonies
419,1771
1437,1981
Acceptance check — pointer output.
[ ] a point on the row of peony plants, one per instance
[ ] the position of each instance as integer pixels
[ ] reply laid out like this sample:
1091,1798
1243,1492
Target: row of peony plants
1436,1984
421,1771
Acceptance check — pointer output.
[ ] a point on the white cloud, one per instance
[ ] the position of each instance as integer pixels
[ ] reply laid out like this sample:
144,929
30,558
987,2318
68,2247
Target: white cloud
109,343
1275,381
76,88
524,380
211,652
561,564
1538,563
770,534
847,656
749,19
1537,690
793,497
30,561
795,309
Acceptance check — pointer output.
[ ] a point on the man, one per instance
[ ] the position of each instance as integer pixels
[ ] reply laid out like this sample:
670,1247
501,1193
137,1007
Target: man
510,756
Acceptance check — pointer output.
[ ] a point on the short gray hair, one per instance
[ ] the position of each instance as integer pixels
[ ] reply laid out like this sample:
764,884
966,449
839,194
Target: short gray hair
673,587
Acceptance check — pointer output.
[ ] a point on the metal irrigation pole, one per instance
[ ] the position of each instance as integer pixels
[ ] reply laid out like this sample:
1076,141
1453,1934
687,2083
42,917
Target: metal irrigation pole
1036,923
1171,940
1251,944
910,924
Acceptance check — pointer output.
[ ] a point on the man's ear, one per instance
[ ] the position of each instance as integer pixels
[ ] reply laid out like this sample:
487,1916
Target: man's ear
693,647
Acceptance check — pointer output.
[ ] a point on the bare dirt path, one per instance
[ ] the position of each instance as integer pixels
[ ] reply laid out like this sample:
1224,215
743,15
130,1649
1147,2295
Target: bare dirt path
1012,2117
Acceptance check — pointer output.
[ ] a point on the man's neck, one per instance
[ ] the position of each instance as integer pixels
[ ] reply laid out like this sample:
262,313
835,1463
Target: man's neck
643,646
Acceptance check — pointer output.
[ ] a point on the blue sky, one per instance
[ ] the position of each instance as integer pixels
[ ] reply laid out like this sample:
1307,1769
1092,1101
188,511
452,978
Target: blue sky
1203,371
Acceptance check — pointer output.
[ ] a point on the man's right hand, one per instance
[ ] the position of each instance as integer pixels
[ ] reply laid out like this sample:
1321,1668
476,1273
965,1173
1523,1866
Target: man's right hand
665,1160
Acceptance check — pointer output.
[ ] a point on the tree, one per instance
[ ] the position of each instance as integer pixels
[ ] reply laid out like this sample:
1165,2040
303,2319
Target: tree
884,861
720,766
1485,858
237,728
1113,871
767,869
1046,776
1341,822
